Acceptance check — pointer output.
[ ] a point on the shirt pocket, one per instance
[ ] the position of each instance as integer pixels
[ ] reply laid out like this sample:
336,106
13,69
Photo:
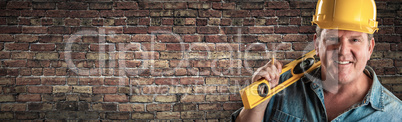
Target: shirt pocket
281,116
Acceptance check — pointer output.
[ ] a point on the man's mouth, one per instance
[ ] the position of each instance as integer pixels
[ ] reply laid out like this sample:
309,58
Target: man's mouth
343,62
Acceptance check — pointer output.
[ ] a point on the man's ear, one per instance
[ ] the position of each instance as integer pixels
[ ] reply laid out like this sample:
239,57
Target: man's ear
371,47
316,45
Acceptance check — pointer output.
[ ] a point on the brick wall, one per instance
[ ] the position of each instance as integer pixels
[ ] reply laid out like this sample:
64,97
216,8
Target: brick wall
149,60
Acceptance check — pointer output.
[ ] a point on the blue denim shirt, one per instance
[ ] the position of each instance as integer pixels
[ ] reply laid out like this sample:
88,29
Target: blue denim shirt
304,101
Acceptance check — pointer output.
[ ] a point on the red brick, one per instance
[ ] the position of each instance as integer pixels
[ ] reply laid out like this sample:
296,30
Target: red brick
10,29
168,38
151,5
232,106
59,30
236,13
251,5
101,5
115,98
175,5
125,5
214,106
47,21
286,29
15,63
19,5
97,22
207,30
91,81
28,97
261,30
51,39
34,30
192,38
27,81
218,5
57,13
72,6
144,21
192,98
7,81
104,90
53,81
135,30
33,13
40,89
235,30
287,12
155,89
196,5
42,47
84,14
167,81
159,107
302,4
209,13
159,29
295,38
167,21
136,13
72,22
14,107
277,5
131,107
116,81
44,5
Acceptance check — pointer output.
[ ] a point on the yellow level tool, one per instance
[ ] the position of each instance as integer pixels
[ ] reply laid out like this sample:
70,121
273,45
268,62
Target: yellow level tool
259,91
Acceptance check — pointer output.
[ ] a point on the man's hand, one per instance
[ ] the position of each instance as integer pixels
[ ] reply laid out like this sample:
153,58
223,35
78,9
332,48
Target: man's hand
270,72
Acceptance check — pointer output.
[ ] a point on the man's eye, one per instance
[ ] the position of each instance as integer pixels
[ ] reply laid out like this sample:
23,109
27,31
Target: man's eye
356,40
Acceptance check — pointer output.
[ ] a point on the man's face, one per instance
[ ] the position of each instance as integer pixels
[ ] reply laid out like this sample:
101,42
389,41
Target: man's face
343,54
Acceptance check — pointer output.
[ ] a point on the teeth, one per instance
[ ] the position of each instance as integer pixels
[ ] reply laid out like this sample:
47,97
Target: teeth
342,62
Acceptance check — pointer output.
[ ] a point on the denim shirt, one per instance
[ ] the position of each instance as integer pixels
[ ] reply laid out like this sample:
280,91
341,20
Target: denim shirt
304,101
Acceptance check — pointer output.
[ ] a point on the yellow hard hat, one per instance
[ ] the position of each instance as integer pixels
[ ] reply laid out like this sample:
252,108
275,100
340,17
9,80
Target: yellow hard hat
353,15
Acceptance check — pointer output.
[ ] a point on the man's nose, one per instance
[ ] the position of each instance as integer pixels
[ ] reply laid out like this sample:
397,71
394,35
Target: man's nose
343,47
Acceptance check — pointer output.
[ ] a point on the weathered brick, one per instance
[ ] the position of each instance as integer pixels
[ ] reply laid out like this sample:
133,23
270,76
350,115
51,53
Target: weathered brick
155,90
47,56
7,81
192,114
43,47
82,89
28,97
197,5
159,107
216,80
14,107
39,106
163,98
167,115
101,5
6,115
7,98
39,89
141,98
104,106
192,98
131,107
115,98
142,116
16,46
62,89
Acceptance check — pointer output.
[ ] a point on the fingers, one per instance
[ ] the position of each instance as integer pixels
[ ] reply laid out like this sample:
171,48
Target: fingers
270,72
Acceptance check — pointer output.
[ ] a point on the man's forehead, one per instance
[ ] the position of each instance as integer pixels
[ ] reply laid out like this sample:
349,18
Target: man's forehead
336,32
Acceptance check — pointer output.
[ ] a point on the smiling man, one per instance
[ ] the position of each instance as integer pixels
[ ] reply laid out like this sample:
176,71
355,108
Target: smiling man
344,88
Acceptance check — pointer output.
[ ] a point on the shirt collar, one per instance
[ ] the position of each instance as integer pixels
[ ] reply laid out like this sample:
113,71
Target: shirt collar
375,95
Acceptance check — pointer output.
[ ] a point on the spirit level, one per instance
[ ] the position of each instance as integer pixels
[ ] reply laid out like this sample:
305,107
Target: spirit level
259,91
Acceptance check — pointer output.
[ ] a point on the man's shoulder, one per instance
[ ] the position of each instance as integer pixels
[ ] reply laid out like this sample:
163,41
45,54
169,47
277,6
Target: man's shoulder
389,99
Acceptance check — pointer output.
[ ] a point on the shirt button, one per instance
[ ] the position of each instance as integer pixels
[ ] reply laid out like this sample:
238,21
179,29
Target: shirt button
315,86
